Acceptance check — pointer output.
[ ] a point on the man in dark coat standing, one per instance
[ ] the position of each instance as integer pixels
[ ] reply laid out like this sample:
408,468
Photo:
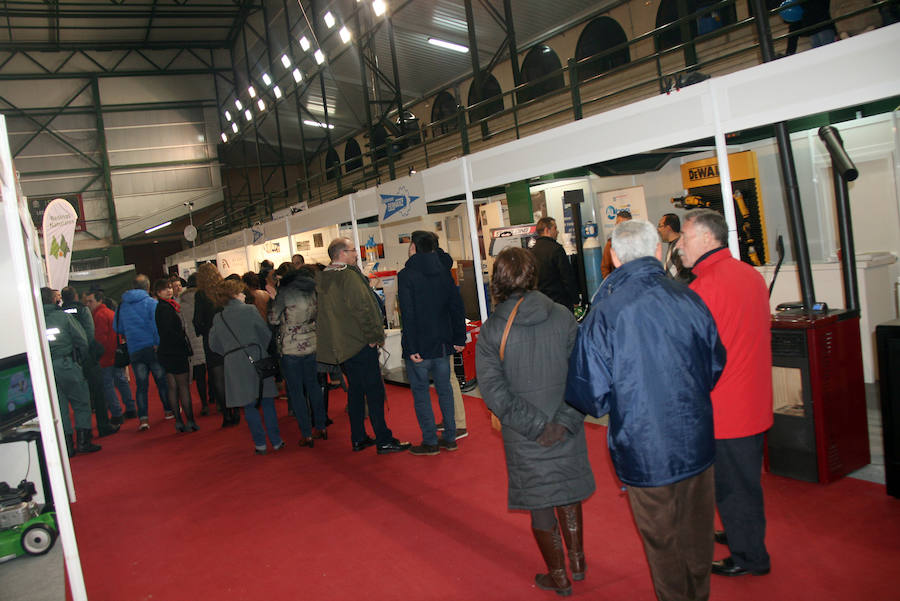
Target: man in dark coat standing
660,414
556,278
737,296
434,325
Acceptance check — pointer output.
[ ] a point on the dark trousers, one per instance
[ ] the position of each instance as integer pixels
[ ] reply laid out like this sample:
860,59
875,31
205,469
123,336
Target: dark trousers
675,522
739,498
94,378
366,388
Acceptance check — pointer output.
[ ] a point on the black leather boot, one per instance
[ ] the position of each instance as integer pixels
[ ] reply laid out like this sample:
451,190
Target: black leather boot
570,522
551,546
84,441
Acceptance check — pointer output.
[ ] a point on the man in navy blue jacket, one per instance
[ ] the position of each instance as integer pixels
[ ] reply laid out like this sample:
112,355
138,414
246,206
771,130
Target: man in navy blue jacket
434,324
648,354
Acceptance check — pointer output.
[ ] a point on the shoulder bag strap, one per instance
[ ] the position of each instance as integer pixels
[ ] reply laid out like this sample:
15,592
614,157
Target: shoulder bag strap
512,316
241,347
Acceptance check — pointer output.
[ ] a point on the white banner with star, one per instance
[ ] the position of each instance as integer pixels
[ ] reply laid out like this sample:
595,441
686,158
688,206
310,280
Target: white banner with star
401,199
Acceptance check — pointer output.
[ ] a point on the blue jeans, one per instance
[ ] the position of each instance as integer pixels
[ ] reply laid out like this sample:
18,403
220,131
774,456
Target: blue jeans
366,388
144,362
302,382
820,38
439,368
114,379
251,414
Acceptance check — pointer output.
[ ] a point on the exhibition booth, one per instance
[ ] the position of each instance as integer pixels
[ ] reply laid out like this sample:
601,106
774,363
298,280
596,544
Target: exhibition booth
709,121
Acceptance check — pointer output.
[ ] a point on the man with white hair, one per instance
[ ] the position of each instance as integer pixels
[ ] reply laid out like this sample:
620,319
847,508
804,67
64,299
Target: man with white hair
648,354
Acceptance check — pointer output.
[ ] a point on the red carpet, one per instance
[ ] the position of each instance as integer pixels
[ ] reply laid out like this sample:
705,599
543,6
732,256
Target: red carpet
172,517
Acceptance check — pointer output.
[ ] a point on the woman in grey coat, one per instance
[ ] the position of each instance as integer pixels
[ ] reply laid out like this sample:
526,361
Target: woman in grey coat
543,436
240,325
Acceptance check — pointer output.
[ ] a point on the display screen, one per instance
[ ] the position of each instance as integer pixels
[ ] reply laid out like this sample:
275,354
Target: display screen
16,395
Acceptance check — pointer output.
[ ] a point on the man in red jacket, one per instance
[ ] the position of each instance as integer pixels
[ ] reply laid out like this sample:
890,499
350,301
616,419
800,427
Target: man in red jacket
742,399
113,377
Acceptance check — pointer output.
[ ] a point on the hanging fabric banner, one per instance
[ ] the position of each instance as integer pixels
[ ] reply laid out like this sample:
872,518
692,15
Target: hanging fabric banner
402,198
59,240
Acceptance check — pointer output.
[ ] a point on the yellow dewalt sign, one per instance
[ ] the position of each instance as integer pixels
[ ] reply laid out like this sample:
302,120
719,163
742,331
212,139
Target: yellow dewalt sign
705,172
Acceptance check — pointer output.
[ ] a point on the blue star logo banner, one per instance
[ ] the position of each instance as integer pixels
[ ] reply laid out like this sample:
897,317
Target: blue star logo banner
401,199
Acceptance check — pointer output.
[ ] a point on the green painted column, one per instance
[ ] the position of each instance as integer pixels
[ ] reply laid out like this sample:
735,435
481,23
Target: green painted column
518,200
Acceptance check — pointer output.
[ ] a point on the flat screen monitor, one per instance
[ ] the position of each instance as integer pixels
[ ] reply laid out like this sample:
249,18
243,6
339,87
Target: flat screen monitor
16,395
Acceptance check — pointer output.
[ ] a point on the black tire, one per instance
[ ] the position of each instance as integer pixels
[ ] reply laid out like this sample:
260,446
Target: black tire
38,539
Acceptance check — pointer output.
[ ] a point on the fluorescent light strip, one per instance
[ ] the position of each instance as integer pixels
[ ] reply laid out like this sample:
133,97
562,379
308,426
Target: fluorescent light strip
320,56
317,124
252,91
224,137
227,116
238,104
285,61
277,91
329,19
304,43
157,227
297,75
266,79
448,45
261,104
234,127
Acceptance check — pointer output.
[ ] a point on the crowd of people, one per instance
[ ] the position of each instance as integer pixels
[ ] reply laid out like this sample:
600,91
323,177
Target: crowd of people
675,350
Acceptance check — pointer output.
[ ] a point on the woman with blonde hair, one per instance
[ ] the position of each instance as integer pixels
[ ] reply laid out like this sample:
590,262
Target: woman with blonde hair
522,360
205,308
241,336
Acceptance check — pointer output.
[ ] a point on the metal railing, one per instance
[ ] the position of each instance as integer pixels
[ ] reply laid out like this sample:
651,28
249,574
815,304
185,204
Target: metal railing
729,48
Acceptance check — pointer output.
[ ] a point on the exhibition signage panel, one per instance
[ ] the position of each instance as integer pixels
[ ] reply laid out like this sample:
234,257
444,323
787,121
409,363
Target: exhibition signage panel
59,240
616,200
401,199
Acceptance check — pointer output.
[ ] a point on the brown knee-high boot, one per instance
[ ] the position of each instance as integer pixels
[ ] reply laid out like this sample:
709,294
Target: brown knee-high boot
550,544
570,523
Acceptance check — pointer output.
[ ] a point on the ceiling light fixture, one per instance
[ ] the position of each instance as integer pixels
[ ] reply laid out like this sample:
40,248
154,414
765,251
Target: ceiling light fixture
248,115
297,75
277,91
237,103
329,19
285,61
252,91
150,230
379,7
317,124
261,104
304,43
345,34
266,79
448,45
320,57
234,127
227,116
224,137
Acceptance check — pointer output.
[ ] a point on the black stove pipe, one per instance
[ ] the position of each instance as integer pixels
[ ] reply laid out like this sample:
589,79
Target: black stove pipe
799,244
843,171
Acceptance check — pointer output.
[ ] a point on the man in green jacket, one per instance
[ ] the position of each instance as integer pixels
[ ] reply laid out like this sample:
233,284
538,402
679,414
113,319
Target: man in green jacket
68,343
350,328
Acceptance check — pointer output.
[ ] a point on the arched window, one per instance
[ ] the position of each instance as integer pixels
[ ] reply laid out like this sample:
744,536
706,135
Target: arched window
379,141
540,62
491,95
600,35
703,23
352,155
443,113
332,164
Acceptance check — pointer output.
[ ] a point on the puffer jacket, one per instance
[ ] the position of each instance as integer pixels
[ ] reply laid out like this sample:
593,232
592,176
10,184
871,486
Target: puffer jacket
136,320
525,391
431,308
294,312
648,354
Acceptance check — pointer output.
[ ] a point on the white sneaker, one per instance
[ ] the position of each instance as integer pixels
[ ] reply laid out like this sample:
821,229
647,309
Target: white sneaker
461,433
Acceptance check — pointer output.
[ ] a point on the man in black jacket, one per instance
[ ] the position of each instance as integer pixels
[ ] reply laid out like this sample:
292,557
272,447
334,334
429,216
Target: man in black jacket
433,317
556,278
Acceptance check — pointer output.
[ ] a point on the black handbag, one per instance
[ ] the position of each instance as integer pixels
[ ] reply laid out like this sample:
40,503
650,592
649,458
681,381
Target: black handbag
266,367
121,357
